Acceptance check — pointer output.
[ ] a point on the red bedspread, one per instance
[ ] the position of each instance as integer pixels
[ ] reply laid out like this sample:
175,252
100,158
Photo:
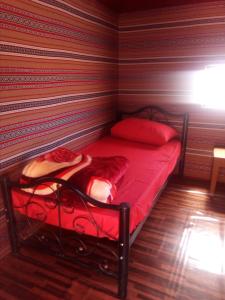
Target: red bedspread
148,170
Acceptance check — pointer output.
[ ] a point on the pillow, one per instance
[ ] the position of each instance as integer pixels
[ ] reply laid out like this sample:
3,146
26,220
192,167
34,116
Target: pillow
59,163
99,180
144,131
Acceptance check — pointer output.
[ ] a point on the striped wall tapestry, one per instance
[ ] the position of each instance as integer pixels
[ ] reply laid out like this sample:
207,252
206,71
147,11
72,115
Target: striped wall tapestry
59,75
58,78
159,52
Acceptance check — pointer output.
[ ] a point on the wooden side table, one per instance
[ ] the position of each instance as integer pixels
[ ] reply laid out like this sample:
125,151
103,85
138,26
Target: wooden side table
218,162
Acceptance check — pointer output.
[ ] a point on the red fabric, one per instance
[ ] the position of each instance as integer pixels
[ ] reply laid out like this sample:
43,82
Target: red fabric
110,168
148,169
144,131
59,155
64,173
106,169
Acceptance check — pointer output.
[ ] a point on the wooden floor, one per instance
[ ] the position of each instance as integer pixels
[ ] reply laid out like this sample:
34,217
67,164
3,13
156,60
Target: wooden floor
180,254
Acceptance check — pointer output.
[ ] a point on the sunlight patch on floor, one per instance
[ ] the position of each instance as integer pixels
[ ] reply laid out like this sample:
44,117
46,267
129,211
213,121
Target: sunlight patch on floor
203,244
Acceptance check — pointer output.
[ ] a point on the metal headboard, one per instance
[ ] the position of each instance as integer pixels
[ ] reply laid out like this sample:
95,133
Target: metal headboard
153,112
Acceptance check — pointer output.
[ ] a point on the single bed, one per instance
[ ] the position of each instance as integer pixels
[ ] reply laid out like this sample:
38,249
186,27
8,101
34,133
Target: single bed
146,176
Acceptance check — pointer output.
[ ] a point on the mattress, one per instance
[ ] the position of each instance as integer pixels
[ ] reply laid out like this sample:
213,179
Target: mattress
149,168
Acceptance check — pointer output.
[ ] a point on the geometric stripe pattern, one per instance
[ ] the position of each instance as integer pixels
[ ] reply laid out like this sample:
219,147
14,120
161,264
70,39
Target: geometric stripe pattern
159,52
14,12
23,21
76,11
7,108
47,147
58,79
17,49
58,76
15,133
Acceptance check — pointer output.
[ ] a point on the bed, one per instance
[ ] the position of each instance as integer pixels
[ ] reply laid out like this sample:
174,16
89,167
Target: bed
120,221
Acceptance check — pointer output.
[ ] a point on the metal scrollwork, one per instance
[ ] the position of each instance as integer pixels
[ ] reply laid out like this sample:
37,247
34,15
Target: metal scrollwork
61,242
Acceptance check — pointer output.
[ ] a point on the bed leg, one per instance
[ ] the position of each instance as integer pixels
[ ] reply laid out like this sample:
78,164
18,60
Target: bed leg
184,144
10,217
124,237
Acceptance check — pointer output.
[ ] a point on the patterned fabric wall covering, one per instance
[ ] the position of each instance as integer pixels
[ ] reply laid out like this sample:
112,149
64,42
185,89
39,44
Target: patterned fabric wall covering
159,52
59,79
58,75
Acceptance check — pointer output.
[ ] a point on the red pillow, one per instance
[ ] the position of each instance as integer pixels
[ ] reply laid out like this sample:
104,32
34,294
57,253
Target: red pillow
100,178
144,131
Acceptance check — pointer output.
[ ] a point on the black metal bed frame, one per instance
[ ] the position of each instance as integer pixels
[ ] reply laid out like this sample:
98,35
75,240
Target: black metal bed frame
125,239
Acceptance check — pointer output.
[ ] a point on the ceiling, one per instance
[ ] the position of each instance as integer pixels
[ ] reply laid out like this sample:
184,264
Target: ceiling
121,6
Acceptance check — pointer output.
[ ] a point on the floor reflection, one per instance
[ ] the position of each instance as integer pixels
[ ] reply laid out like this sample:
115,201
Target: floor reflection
203,242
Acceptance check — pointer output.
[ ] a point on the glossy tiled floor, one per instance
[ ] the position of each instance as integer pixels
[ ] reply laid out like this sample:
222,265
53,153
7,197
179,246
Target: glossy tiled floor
180,254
